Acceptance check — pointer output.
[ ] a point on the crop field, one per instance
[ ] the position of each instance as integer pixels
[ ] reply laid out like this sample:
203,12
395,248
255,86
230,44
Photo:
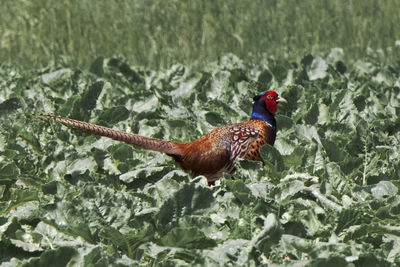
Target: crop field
156,33
327,196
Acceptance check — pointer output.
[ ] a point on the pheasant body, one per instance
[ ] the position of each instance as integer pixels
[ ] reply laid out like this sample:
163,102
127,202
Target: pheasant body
210,155
266,135
219,149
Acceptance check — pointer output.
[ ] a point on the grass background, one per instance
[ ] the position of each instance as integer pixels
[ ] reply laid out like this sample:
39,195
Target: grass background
155,33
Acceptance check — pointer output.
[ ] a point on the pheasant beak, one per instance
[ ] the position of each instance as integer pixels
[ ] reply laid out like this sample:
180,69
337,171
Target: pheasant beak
281,100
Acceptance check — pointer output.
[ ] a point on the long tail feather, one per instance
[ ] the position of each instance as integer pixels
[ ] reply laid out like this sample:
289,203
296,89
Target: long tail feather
129,138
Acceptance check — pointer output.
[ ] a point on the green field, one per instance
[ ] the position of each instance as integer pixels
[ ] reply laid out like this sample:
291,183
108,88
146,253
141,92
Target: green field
157,33
327,196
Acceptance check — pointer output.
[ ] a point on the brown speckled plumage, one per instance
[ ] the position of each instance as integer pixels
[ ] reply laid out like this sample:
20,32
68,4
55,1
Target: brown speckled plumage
220,148
266,135
210,155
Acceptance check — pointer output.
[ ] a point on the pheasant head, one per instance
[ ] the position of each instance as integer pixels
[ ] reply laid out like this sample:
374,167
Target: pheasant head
265,105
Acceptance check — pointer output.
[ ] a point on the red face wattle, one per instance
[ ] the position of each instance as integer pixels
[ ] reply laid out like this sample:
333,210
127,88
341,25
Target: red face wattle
271,99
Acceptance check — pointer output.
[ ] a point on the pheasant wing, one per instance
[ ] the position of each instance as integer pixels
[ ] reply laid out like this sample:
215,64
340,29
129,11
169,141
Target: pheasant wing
242,137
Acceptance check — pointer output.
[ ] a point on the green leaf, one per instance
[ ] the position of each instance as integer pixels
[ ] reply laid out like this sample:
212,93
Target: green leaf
347,218
311,116
83,231
334,152
357,231
271,155
22,196
267,237
89,98
214,119
50,188
31,140
54,78
189,200
283,122
8,170
289,189
142,176
62,256
10,105
329,261
121,152
307,133
264,78
114,114
240,191
317,69
80,166
384,189
187,237
337,179
117,239
295,158
97,67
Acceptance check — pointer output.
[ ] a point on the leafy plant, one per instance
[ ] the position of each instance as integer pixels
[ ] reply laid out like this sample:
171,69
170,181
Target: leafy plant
328,194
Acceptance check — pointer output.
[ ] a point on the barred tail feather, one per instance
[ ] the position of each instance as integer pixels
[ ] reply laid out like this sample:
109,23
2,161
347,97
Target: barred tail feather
129,138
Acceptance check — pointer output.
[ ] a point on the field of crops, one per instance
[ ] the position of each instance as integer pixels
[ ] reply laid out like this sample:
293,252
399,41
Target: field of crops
157,33
328,195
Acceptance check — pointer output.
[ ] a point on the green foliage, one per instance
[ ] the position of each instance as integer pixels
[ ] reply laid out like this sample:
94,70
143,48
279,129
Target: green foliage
327,195
157,33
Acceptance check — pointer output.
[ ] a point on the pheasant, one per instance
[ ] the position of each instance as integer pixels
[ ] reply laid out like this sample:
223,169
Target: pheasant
210,155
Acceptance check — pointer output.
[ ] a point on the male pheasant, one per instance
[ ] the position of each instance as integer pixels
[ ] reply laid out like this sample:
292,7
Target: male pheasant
210,155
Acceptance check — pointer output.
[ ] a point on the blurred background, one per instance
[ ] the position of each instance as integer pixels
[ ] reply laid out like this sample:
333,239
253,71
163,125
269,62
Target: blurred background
157,33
